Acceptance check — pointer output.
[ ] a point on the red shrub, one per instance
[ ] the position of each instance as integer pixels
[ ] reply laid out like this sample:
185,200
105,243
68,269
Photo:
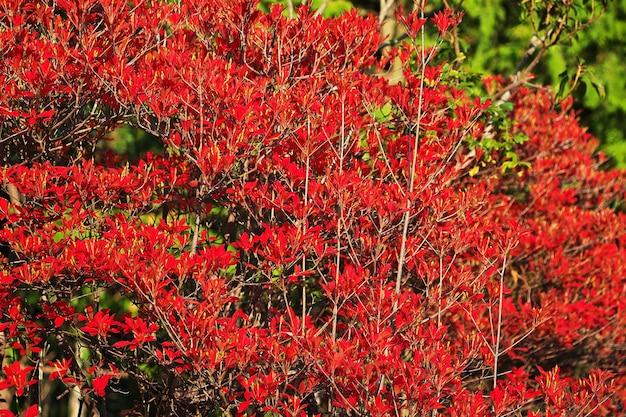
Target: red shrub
313,239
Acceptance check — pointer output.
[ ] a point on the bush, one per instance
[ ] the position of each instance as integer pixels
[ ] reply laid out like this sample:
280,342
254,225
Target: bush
313,240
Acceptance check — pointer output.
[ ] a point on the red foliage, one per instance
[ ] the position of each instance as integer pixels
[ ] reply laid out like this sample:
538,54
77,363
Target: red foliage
311,240
17,377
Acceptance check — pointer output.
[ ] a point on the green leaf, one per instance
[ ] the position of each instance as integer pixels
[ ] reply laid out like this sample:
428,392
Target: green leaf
383,113
591,78
506,106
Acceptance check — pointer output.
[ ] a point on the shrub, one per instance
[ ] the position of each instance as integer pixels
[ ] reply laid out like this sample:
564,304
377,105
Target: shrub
314,239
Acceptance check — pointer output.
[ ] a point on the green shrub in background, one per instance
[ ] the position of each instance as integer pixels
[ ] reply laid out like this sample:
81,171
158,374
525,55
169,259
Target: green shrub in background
132,142
590,66
601,50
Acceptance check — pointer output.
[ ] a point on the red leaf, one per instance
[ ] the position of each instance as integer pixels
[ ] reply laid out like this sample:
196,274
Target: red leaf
100,383
32,411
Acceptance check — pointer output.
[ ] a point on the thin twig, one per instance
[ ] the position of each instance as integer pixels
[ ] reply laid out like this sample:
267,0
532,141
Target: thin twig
499,327
411,173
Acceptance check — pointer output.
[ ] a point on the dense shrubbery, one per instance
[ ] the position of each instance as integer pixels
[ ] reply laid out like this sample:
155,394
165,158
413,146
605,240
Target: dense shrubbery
313,240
